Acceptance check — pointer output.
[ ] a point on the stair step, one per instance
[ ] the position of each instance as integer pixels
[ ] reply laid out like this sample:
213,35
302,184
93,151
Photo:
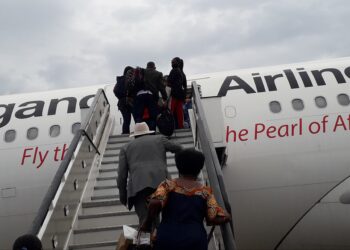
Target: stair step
185,141
105,187
108,170
106,182
89,204
114,168
108,219
102,234
109,165
176,133
104,162
104,197
108,174
113,147
111,142
110,155
112,174
101,215
107,209
99,229
107,245
119,140
106,178
105,192
113,151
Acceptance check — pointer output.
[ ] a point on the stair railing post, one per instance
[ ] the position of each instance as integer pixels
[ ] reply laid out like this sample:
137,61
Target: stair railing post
213,167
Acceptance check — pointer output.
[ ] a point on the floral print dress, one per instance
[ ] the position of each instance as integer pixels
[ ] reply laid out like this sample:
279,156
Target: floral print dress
183,211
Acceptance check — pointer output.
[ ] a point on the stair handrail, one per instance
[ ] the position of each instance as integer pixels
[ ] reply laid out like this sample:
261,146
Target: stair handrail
69,157
212,165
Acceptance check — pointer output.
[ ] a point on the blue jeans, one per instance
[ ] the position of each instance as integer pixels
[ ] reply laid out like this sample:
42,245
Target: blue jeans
146,101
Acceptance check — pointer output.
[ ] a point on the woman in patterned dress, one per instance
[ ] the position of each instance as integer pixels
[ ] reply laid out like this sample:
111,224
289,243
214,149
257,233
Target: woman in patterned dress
184,203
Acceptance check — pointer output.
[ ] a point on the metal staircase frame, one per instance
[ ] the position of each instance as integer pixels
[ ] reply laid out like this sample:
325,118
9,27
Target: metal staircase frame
59,209
204,141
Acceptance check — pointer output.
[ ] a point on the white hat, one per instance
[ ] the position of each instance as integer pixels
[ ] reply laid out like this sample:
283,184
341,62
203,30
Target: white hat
141,129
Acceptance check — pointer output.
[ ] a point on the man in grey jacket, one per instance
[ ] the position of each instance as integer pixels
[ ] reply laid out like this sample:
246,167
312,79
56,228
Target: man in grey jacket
144,161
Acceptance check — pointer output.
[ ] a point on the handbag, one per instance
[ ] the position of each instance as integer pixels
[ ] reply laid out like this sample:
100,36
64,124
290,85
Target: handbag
123,243
140,247
143,242
166,122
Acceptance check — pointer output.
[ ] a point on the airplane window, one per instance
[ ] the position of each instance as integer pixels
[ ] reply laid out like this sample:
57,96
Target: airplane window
10,135
321,102
298,104
275,107
55,130
343,99
32,133
75,127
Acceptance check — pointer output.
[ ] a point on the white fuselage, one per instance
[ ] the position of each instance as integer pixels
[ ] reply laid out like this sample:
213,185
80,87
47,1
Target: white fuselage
281,164
28,165
285,131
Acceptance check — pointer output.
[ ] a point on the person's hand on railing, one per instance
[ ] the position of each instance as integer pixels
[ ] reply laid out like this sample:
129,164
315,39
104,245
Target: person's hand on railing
227,217
219,219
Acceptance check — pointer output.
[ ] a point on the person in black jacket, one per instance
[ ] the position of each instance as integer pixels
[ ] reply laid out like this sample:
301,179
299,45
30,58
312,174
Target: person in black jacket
148,95
120,90
178,85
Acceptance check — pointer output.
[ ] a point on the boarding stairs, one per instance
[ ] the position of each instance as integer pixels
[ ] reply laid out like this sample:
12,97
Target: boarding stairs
102,216
81,209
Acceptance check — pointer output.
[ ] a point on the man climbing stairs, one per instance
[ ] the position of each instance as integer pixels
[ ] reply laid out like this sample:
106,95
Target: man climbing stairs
102,216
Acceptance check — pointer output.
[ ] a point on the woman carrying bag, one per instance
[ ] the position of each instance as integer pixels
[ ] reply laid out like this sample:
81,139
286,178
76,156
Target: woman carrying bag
184,203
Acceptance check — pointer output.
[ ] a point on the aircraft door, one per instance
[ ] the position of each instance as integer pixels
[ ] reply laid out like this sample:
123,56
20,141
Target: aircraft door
213,112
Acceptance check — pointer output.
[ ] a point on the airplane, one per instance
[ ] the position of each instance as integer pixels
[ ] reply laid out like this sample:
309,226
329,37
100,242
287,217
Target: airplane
282,133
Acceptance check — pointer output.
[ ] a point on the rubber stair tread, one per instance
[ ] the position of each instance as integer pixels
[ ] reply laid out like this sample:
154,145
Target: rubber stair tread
98,229
105,203
117,155
91,245
109,214
116,168
104,197
105,187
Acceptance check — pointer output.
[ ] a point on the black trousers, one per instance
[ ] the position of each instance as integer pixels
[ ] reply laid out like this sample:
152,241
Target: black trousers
140,203
146,101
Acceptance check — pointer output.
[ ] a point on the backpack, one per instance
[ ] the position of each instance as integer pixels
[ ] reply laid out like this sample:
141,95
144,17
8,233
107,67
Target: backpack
119,89
136,82
166,122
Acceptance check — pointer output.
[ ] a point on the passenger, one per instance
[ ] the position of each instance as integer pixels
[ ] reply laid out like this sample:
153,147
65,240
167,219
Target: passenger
167,87
124,105
144,159
187,102
187,105
148,96
184,78
176,82
184,203
27,242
